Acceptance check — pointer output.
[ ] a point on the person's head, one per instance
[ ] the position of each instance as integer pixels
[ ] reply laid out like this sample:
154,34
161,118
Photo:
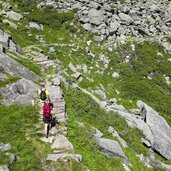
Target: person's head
42,84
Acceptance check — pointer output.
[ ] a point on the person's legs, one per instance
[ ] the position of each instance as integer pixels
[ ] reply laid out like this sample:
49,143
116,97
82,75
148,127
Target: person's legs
46,129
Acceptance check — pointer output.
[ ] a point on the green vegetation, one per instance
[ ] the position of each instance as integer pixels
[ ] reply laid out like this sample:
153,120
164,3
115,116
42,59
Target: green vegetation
81,108
9,80
30,65
61,31
17,126
50,17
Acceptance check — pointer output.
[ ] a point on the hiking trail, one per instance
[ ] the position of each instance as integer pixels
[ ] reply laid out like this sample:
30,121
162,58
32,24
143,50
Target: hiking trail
63,148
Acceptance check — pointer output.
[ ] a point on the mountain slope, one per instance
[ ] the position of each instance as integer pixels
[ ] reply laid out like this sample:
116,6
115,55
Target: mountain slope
103,83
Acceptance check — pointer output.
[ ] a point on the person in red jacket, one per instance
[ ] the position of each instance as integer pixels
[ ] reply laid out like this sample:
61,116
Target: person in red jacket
47,116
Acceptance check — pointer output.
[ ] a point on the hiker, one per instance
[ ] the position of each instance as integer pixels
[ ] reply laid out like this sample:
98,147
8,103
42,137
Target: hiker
43,93
47,116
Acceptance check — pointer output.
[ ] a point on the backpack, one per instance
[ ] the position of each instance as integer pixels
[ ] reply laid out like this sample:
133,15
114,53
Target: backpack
43,94
47,111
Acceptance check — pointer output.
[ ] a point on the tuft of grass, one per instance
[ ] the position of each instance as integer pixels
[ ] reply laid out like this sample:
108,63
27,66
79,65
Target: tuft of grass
9,80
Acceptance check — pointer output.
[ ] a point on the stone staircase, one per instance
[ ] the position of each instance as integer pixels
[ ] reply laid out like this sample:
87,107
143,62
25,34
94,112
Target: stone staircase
62,147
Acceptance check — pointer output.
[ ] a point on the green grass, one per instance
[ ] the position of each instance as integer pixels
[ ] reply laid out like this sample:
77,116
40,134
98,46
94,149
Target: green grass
82,108
9,80
16,125
51,17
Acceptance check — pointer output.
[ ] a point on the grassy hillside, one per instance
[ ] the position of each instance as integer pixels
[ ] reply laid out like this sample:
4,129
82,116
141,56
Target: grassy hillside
142,78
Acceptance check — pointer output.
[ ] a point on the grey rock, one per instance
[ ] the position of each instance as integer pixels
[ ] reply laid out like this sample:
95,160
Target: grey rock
144,141
167,166
169,59
10,23
57,81
51,50
99,38
80,124
14,15
98,134
77,5
71,66
115,75
167,46
13,46
35,25
112,101
61,142
12,157
101,93
125,17
112,148
96,16
114,26
55,157
53,131
76,75
6,6
87,27
94,4
4,147
4,39
168,80
14,68
3,77
159,128
2,13
135,111
49,139
115,134
21,92
84,67
4,168
2,49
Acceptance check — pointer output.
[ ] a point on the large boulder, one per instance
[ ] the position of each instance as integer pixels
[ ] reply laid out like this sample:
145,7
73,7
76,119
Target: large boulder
21,92
96,16
126,18
160,130
14,15
112,148
16,69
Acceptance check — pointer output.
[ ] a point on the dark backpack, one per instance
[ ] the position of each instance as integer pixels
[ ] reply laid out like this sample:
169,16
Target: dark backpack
43,94
47,111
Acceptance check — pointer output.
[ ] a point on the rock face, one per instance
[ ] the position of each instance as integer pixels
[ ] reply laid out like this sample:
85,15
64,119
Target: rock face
111,19
21,92
14,68
110,147
154,127
160,130
6,40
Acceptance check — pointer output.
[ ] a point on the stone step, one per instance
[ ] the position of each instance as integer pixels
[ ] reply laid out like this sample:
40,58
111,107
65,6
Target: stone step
61,142
55,157
49,139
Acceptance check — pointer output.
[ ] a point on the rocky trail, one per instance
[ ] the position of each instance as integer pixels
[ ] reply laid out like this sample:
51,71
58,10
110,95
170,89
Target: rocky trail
63,148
